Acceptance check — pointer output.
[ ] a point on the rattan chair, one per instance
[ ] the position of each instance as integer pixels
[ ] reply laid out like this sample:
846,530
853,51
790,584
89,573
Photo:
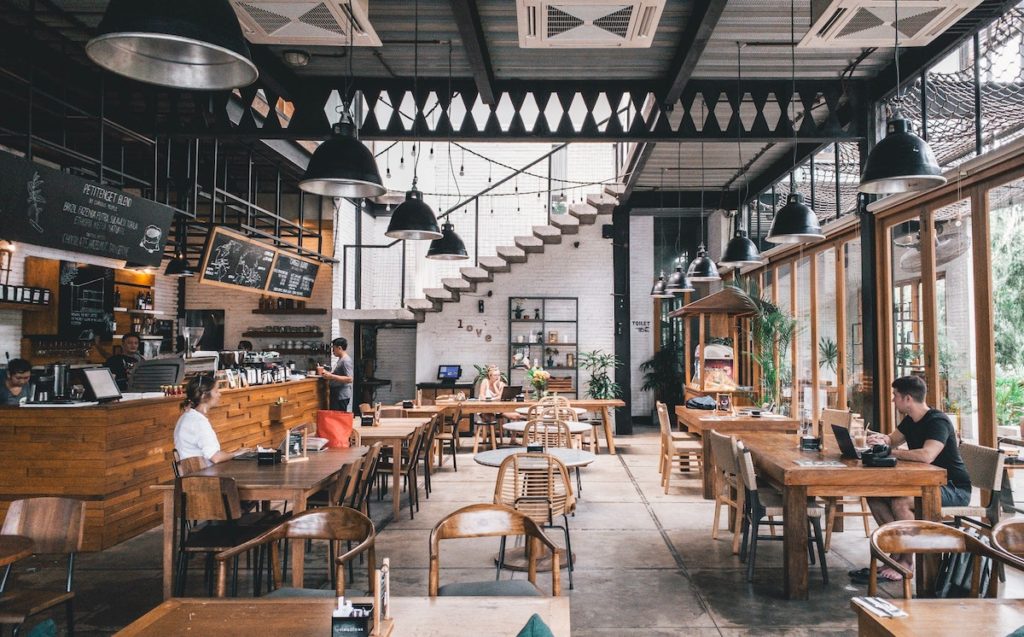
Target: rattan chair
448,436
538,485
549,433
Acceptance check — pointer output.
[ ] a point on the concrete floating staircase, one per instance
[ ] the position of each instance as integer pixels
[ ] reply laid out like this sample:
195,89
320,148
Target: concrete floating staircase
507,256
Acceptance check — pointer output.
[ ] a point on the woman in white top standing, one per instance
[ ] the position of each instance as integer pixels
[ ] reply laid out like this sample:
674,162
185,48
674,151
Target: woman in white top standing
194,435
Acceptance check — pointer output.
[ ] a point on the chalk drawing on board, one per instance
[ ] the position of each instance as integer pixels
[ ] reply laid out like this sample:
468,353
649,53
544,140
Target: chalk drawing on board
36,201
151,239
244,273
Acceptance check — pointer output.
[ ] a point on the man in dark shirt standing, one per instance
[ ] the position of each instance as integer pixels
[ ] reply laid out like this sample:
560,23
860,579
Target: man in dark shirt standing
931,438
14,382
340,379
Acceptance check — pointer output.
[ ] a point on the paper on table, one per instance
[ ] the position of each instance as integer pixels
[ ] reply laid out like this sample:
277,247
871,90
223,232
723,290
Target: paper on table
879,607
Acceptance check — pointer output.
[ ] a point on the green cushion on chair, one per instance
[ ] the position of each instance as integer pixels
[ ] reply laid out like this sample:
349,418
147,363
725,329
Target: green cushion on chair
535,627
501,588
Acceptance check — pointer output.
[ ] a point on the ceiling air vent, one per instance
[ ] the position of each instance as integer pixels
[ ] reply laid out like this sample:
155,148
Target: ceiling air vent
306,22
588,24
855,24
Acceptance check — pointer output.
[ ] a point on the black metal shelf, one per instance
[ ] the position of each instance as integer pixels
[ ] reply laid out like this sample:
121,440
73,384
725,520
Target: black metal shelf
544,301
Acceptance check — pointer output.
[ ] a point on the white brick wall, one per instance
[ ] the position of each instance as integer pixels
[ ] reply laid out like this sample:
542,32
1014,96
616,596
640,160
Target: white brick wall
641,309
562,270
395,349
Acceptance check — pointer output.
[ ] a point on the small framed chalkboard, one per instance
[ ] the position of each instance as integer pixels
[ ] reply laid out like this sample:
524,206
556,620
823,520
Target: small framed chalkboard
293,276
234,260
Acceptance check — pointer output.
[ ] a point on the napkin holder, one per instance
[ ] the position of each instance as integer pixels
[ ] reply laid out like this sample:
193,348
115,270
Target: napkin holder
268,457
407,404
808,443
534,448
354,626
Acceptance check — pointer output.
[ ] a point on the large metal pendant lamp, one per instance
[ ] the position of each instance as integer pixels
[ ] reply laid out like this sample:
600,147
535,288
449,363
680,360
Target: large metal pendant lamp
702,269
179,265
677,282
740,251
413,219
902,162
450,247
184,44
796,222
658,291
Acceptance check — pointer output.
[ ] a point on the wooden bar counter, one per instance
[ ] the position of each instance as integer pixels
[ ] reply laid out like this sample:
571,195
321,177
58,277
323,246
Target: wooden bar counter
109,455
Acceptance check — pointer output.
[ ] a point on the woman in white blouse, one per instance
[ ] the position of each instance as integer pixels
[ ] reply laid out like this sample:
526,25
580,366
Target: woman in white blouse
193,434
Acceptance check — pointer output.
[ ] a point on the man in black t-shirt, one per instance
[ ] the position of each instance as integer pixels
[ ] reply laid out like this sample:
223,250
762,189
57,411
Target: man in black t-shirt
930,437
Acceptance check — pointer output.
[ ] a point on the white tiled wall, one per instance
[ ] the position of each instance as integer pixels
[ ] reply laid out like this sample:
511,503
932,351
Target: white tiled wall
641,312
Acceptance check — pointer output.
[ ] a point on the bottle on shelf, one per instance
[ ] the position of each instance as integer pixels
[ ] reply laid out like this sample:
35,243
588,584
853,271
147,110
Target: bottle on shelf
117,297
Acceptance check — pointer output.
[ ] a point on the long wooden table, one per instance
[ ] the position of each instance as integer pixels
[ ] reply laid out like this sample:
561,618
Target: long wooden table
944,618
700,421
412,616
590,404
292,481
775,459
393,432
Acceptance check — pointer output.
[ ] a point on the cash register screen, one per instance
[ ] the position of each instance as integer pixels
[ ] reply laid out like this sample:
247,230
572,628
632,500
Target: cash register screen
101,384
449,372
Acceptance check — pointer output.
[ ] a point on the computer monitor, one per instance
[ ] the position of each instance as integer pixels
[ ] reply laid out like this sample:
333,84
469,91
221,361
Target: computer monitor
100,385
449,373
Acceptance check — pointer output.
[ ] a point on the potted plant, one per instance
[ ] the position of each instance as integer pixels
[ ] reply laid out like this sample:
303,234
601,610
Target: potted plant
663,374
772,330
828,354
517,309
600,385
538,379
481,374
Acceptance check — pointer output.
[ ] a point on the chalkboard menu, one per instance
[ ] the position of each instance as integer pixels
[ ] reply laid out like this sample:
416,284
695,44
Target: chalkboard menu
46,207
234,260
293,276
86,301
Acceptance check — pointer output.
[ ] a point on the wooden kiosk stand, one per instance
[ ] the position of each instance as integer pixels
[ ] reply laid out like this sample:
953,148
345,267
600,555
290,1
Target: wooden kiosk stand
717,316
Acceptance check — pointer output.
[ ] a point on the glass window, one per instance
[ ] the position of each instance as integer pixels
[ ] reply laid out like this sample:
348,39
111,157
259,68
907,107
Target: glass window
785,304
828,344
858,381
907,315
954,299
803,332
1006,216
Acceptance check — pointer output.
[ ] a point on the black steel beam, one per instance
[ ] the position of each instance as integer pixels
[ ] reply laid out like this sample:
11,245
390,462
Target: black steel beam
700,25
665,202
620,299
635,167
467,18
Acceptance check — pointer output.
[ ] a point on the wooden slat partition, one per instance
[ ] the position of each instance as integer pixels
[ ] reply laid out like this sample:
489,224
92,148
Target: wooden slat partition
109,455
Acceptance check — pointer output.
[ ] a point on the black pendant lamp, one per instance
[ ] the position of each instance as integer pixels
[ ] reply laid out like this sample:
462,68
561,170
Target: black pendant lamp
902,162
343,166
796,222
677,282
703,268
449,247
184,44
413,219
179,265
658,291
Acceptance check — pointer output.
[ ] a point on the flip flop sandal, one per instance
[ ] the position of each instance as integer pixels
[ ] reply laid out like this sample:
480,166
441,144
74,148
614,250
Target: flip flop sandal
860,572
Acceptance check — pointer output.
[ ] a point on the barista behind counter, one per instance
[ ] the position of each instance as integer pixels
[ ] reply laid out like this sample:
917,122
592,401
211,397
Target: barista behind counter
13,389
122,365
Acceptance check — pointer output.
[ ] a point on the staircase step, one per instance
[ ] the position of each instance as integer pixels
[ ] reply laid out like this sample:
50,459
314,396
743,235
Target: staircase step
511,254
603,203
614,190
440,295
494,264
566,224
421,305
584,212
458,285
548,234
529,243
475,275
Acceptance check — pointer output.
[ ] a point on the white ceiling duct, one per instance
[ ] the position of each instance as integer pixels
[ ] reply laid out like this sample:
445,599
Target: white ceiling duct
588,24
854,24
306,22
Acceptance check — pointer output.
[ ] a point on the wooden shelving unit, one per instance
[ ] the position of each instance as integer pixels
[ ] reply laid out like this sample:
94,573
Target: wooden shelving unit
285,335
560,308
304,311
27,307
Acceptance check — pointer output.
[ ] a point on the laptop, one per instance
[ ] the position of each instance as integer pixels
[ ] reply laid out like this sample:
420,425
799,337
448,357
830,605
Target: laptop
510,392
845,441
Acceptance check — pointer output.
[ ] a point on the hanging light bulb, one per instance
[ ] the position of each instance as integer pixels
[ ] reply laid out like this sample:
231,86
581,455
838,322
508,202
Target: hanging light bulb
796,222
902,162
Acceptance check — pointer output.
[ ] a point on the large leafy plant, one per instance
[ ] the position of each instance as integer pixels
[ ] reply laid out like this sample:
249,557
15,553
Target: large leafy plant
772,331
600,385
663,374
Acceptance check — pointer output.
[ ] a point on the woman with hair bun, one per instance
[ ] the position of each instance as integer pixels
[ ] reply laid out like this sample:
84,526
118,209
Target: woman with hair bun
194,435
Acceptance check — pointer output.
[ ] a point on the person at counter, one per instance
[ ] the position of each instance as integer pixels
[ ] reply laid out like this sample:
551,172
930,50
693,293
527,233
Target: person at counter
12,390
121,365
193,434
340,380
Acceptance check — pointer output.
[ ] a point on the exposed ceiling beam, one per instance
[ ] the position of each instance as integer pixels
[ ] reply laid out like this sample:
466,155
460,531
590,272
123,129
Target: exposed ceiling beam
701,24
467,18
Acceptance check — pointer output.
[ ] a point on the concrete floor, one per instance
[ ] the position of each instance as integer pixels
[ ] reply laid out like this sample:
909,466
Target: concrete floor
645,560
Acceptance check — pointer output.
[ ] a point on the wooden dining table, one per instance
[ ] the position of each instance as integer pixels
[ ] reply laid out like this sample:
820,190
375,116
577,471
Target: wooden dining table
776,459
699,421
393,432
293,482
943,618
302,617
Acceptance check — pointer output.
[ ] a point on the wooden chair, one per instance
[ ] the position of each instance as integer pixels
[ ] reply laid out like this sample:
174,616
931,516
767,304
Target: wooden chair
537,484
359,494
727,481
766,502
212,504
334,524
408,467
492,520
841,507
550,433
430,431
687,450
1008,536
923,537
186,466
55,526
448,435
985,466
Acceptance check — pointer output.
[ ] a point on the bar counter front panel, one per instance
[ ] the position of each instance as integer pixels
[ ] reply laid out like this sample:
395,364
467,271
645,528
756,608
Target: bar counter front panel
109,455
